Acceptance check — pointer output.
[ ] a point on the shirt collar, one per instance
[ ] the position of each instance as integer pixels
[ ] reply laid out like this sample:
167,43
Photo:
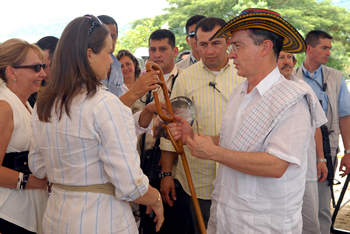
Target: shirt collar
266,83
103,87
308,74
228,64
193,59
172,73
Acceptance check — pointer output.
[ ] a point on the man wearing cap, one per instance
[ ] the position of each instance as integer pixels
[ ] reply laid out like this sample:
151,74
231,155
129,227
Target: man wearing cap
316,169
264,137
330,88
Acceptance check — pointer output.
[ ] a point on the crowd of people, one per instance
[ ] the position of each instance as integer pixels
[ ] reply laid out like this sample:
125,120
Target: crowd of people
76,129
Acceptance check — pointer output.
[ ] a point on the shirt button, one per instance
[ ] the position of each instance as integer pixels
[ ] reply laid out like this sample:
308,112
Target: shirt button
138,181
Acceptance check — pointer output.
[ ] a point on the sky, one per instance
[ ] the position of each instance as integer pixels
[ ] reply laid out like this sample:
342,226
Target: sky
32,20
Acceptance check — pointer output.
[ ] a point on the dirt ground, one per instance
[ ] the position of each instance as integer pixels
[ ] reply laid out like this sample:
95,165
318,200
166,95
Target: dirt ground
342,220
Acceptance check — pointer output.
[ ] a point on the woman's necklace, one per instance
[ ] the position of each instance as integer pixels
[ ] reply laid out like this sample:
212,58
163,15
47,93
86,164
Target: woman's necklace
129,86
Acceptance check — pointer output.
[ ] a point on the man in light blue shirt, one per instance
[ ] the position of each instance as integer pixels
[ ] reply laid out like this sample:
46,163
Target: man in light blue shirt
316,79
114,81
330,88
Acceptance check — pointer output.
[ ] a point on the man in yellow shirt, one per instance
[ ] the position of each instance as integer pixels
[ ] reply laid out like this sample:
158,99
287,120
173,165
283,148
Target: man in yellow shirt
210,82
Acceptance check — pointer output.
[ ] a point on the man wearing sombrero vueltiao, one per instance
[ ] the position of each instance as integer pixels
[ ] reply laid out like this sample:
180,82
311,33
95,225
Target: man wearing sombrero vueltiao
263,141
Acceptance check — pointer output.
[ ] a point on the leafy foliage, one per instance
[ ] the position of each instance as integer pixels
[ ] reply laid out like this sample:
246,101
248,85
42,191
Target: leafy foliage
305,15
138,37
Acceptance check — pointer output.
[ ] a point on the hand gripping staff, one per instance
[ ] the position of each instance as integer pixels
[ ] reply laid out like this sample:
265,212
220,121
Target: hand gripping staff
177,144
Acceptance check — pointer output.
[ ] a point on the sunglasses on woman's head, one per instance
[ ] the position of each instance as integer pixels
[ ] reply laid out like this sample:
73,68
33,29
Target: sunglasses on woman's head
94,23
36,67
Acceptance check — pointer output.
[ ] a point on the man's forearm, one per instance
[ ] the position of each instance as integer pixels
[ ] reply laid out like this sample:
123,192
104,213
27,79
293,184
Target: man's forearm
258,164
344,123
167,160
319,143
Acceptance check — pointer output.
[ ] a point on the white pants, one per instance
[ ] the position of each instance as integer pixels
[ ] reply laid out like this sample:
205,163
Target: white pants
310,209
324,214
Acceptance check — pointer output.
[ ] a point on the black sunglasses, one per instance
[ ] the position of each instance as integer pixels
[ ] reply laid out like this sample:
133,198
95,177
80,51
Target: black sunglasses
191,34
36,67
94,23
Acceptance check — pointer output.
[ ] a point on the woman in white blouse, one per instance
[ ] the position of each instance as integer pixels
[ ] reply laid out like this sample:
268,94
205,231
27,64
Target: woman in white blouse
23,197
84,140
131,72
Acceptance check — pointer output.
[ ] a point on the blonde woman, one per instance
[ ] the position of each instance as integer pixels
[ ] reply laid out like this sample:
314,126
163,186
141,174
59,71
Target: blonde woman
22,196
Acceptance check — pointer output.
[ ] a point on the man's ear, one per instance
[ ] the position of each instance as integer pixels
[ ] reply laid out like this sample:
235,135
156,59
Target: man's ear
267,47
295,62
308,49
175,51
187,40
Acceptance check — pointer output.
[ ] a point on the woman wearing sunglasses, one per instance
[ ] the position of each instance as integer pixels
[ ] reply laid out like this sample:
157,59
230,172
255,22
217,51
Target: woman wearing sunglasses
84,140
23,197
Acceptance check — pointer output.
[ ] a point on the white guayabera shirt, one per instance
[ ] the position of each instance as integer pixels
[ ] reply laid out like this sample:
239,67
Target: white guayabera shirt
243,203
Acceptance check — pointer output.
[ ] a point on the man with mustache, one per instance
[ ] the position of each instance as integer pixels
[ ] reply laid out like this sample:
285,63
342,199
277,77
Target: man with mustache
330,88
316,170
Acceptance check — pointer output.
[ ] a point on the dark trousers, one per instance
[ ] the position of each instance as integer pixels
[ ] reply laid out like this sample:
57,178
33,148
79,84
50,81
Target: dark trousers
205,210
10,228
179,219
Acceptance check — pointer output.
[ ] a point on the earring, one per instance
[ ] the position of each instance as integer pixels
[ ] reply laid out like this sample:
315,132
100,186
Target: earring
14,80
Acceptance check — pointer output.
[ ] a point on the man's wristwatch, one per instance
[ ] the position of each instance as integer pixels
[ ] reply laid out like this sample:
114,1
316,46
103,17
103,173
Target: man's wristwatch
164,174
346,151
322,160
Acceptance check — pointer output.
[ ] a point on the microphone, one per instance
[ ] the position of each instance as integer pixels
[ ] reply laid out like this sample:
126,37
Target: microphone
212,84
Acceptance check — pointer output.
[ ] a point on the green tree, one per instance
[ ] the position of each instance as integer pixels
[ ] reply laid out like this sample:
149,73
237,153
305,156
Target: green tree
304,15
137,37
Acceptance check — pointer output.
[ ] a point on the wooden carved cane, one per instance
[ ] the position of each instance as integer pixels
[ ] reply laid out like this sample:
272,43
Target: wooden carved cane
177,144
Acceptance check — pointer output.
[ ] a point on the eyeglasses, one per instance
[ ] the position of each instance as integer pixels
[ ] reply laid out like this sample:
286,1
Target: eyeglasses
36,67
94,23
191,34
235,48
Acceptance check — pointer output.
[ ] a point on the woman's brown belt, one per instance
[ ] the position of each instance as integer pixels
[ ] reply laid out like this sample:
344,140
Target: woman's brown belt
107,188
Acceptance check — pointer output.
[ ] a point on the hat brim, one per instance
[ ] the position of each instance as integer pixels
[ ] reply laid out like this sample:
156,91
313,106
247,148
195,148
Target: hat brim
293,41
